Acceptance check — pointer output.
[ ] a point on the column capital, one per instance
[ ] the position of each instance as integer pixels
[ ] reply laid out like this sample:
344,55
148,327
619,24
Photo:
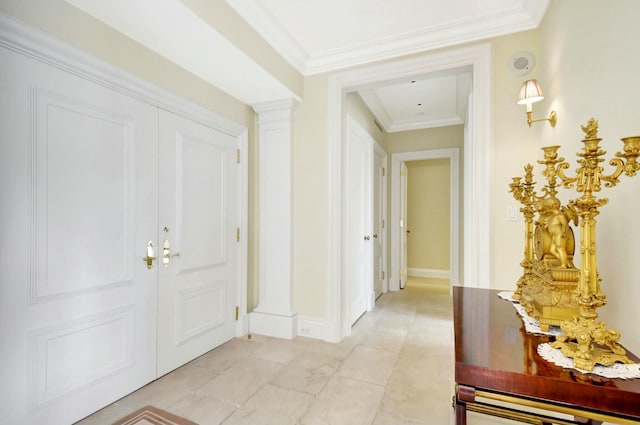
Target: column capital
275,110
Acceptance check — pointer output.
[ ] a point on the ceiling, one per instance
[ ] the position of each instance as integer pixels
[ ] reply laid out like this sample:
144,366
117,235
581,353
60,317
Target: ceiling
326,35
317,36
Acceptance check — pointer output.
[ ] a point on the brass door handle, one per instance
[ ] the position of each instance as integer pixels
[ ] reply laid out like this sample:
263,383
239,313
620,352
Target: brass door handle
166,253
150,255
366,238
375,236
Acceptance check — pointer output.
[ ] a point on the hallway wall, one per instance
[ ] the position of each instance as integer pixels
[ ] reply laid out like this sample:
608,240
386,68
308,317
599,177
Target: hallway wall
590,61
428,215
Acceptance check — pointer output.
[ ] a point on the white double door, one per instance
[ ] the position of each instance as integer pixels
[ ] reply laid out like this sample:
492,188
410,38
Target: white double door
90,178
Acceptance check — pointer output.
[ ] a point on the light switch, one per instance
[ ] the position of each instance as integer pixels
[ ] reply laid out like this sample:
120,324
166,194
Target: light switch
512,213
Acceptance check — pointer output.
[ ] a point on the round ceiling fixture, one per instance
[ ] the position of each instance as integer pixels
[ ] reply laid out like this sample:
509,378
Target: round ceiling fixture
521,63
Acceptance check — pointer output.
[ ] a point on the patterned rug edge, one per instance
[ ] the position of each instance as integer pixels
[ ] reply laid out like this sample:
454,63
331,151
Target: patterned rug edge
153,415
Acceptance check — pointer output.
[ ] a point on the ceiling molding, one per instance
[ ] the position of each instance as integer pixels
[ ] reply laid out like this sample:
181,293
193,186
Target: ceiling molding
175,26
264,23
428,122
521,17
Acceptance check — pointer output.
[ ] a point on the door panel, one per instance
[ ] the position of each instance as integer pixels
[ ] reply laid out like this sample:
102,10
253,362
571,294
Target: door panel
197,288
78,166
358,223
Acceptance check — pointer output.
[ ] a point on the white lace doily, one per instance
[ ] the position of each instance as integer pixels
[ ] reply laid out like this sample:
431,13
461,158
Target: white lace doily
617,370
531,325
555,356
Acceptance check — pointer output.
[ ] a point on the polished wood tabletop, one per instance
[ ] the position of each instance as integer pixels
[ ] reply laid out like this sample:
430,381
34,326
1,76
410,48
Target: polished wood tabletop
493,352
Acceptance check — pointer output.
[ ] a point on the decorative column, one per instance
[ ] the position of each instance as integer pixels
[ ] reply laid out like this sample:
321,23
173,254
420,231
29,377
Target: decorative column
275,314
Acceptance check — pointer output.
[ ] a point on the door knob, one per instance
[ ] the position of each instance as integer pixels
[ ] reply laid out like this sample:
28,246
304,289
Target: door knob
375,236
366,238
166,253
150,255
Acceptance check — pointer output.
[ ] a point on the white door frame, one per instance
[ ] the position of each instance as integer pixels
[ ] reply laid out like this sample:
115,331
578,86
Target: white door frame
453,155
477,163
383,214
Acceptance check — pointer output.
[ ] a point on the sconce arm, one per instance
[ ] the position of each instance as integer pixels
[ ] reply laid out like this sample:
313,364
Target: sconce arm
552,118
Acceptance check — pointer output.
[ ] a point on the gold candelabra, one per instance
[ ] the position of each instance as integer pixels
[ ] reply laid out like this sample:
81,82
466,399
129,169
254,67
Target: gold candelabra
584,339
524,193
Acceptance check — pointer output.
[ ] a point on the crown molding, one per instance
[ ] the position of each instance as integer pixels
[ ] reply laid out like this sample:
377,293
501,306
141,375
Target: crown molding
264,23
429,122
521,17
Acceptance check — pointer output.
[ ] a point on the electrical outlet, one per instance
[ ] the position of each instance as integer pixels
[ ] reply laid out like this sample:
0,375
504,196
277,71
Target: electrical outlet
305,331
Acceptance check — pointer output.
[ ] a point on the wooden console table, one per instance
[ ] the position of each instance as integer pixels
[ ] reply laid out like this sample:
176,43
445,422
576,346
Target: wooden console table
498,371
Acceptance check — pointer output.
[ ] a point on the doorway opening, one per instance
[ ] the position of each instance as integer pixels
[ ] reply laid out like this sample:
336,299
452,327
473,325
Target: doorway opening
398,249
476,244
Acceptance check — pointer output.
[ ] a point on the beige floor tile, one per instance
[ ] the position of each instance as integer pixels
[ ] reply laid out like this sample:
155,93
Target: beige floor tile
108,415
344,401
225,356
308,372
395,319
383,418
170,388
341,349
414,361
202,409
427,406
238,383
281,350
370,365
432,337
396,368
272,405
389,339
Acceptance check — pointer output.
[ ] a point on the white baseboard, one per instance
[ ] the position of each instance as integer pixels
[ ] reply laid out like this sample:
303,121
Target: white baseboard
273,325
432,273
312,327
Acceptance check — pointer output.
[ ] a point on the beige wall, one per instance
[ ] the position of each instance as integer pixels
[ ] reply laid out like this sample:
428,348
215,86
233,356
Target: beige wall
226,21
359,111
310,200
514,145
430,138
428,215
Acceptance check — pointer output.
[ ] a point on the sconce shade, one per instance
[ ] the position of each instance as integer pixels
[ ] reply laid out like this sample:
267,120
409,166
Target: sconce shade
530,92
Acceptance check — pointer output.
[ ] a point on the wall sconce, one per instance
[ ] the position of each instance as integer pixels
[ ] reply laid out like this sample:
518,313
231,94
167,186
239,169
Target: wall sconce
531,92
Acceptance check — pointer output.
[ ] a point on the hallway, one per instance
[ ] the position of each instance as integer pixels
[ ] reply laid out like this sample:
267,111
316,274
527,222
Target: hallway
395,369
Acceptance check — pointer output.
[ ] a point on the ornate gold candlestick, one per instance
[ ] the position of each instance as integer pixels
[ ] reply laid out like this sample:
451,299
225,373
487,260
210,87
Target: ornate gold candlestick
551,289
524,193
546,287
589,342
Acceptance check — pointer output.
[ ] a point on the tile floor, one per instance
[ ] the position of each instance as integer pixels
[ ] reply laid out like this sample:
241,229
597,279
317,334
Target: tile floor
395,369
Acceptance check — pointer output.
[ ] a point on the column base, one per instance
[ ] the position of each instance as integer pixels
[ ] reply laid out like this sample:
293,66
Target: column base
275,325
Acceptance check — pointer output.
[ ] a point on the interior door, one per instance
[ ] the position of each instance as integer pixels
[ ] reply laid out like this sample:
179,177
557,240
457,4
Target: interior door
358,223
198,281
404,232
379,208
78,183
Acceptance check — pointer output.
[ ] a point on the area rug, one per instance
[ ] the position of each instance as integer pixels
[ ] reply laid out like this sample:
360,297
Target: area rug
150,415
